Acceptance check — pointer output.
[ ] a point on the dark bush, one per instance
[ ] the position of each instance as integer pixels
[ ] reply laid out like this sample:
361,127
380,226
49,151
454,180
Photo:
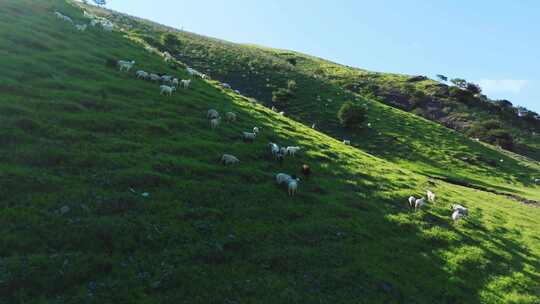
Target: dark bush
352,115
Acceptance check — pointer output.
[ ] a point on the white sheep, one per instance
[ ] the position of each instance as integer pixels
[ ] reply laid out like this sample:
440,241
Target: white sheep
154,77
186,83
247,136
81,27
282,178
166,78
211,114
430,196
231,116
419,203
292,150
94,22
175,82
282,113
412,201
347,142
142,74
293,186
274,149
460,209
456,216
228,159
107,26
214,123
314,127
167,90
256,130
125,65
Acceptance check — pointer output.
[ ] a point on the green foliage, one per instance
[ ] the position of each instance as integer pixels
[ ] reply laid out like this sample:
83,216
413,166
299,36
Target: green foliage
171,41
283,96
442,77
352,115
473,88
459,82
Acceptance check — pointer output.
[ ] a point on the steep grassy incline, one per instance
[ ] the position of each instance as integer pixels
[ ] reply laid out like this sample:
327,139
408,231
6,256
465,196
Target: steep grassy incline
111,193
395,135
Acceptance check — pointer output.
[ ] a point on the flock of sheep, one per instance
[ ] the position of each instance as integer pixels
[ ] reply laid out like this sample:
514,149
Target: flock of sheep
105,24
459,211
170,84
291,181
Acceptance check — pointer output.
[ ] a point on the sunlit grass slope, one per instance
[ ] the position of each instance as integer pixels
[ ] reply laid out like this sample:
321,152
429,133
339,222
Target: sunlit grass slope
82,142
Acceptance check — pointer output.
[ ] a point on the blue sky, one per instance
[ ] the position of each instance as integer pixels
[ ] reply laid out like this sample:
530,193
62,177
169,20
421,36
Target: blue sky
494,43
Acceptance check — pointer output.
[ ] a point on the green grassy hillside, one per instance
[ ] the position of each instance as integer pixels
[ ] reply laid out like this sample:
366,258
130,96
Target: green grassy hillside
82,142
395,135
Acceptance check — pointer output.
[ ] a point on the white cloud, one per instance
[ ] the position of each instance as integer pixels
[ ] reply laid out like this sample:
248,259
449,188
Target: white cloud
503,85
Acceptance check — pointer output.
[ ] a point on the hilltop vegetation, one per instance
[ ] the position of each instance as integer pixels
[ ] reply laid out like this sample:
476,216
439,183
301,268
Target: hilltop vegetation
112,193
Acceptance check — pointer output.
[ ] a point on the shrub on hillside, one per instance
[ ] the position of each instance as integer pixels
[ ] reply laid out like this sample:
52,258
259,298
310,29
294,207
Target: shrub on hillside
491,131
283,96
352,115
501,138
171,41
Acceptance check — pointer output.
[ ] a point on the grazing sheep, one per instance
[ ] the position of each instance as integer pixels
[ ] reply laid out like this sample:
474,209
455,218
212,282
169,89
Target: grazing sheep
81,27
282,113
186,83
431,196
228,159
347,142
107,26
175,82
460,209
125,65
283,150
226,86
292,150
94,22
212,114
293,186
306,170
282,178
456,216
167,90
214,123
166,78
154,77
231,116
142,75
247,136
419,203
274,149
274,109
314,127
256,130
412,201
